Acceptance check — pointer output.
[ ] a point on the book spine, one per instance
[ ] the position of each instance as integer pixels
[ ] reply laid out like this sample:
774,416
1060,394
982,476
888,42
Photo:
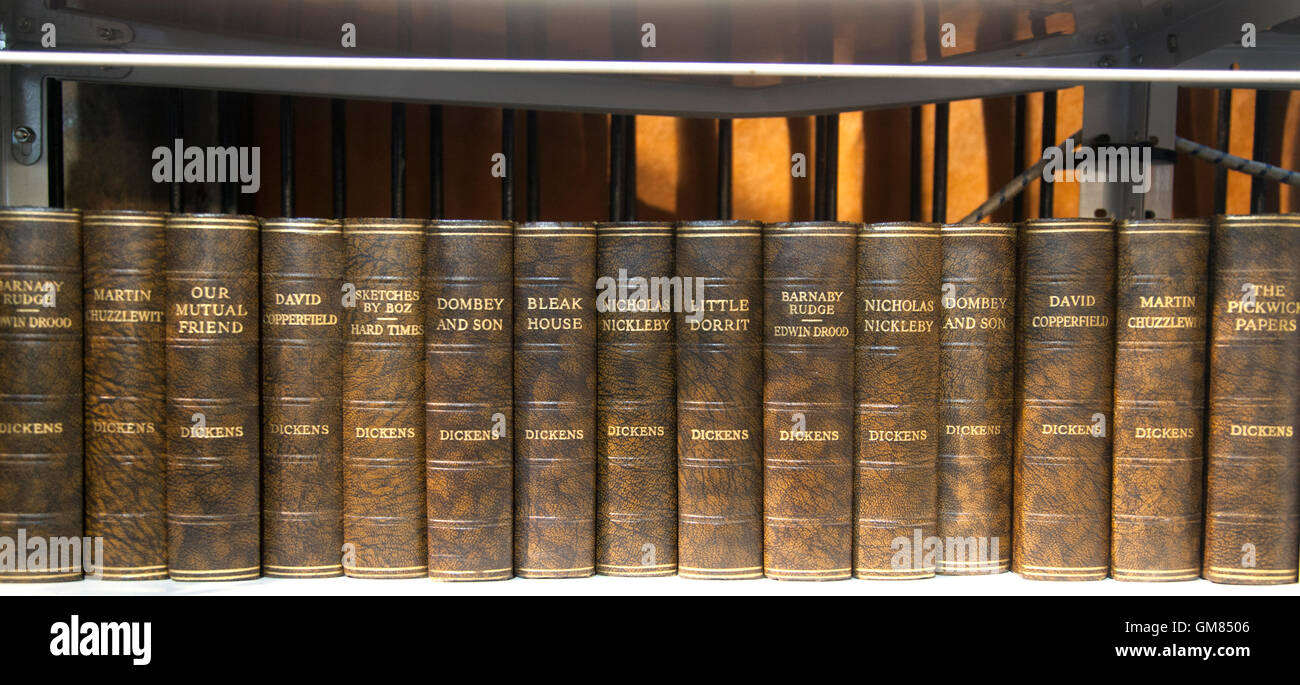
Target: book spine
896,367
302,410
126,301
719,401
384,528
808,274
555,395
636,423
1065,365
1252,480
1160,335
40,390
468,404
212,412
977,397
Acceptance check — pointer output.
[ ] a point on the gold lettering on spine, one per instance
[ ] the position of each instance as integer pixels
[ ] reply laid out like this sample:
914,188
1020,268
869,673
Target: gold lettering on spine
210,312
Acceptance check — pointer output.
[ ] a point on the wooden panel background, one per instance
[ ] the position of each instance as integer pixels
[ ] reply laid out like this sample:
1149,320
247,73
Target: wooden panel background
110,131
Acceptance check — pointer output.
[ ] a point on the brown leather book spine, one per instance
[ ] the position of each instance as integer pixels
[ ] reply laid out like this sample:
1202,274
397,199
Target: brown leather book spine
808,274
213,423
302,410
1252,503
896,367
636,412
384,527
977,339
41,393
1065,365
1160,333
719,401
469,293
555,398
126,302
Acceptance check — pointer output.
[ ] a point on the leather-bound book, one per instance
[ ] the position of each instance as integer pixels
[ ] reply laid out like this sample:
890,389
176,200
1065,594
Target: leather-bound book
808,274
212,413
302,410
896,371
1160,337
41,394
977,339
1252,502
469,294
555,400
636,425
1065,367
384,532
719,401
126,302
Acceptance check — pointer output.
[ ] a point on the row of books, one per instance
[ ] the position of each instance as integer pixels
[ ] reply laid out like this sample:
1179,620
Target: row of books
218,397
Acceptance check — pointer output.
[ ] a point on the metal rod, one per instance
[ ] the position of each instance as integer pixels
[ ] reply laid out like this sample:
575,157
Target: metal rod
398,158
819,168
1223,124
1221,77
286,155
1260,150
533,178
939,205
914,198
1013,187
508,149
54,141
629,167
724,168
226,132
832,169
399,115
1045,191
339,155
617,167
435,162
176,120
1018,154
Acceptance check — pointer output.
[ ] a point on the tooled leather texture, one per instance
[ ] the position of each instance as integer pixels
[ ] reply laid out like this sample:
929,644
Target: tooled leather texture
1160,335
896,367
40,387
1065,370
384,528
636,427
468,405
302,410
808,276
1253,469
977,397
554,395
719,402
126,302
213,472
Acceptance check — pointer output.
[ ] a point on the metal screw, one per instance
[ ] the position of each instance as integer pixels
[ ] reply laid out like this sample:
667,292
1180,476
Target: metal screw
107,33
25,24
1106,61
23,134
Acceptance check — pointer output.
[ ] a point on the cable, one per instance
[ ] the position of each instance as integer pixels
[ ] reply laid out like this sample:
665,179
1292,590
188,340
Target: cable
1245,166
1013,188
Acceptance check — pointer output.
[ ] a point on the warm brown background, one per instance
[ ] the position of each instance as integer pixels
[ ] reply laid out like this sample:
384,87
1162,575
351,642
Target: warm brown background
112,129
676,158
